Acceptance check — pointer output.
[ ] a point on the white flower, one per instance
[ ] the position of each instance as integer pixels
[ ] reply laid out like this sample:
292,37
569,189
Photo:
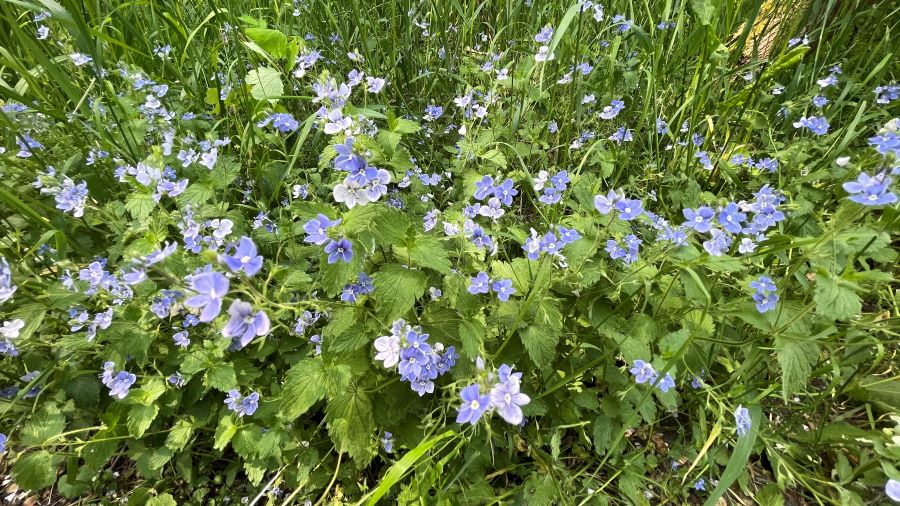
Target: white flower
544,54
350,193
388,350
221,228
10,330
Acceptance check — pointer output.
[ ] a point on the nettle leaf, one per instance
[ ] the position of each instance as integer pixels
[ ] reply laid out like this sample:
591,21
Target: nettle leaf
35,470
140,205
179,435
304,385
428,252
387,225
541,336
271,41
151,389
836,299
350,422
265,84
221,377
162,500
140,417
494,156
344,332
224,432
796,358
196,193
396,290
44,425
471,333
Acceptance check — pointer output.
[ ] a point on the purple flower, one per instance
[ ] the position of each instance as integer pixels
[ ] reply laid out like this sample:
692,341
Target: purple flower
742,420
887,143
118,383
508,401
181,339
817,125
481,283
763,284
544,35
244,324
870,190
244,258
317,229
211,287
484,187
505,192
339,250
629,209
699,220
642,371
504,289
473,404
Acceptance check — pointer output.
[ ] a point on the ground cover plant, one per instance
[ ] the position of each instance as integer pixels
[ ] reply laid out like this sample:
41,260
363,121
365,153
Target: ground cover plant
417,252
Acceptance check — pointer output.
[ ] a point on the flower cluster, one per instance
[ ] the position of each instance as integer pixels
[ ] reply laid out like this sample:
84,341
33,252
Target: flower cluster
552,193
502,394
627,252
70,197
418,362
281,121
364,183
352,291
118,382
481,283
242,405
871,190
550,243
765,297
162,181
815,124
645,373
317,233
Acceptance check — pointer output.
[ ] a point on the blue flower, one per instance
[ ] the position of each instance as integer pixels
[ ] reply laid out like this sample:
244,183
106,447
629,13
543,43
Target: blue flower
666,383
765,302
699,220
481,283
612,110
886,143
700,484
731,218
118,383
339,250
181,339
484,187
871,190
508,401
815,124
244,258
387,441
3,440
642,371
283,122
243,324
473,404
504,289
544,35
505,192
629,209
742,420
211,287
242,405
819,101
317,229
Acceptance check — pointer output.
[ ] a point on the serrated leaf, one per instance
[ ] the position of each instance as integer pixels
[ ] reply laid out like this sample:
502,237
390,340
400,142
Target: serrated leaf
471,334
350,422
162,500
405,126
494,156
179,435
271,41
35,470
835,299
396,290
224,432
428,252
151,389
303,387
196,193
221,377
45,424
140,205
796,358
140,417
265,83
540,341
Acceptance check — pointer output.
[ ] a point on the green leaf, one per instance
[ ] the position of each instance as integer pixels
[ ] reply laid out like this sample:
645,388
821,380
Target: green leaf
140,417
179,435
396,290
428,252
402,466
162,500
140,205
304,385
350,423
265,84
540,341
44,425
196,193
271,41
222,377
151,389
471,333
494,156
224,432
705,10
344,332
836,299
36,470
405,126
796,359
